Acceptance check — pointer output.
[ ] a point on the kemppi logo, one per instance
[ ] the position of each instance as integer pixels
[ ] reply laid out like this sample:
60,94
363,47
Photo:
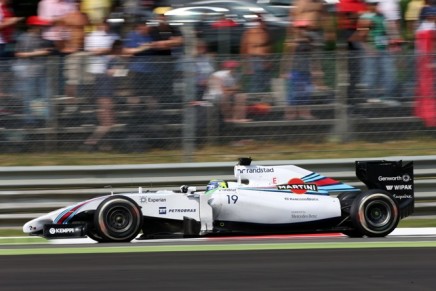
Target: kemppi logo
61,230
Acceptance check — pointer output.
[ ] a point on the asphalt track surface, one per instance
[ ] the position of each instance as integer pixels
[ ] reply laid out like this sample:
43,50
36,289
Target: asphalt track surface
375,268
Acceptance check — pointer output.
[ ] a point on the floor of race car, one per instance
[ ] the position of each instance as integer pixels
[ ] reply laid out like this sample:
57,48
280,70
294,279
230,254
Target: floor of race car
425,231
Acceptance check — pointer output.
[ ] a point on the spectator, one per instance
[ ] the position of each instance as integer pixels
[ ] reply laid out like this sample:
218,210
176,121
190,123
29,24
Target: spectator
411,15
7,23
141,69
167,47
348,12
30,70
391,11
428,4
300,76
74,26
312,12
100,43
204,65
55,11
378,64
224,90
425,39
97,11
318,26
220,33
255,49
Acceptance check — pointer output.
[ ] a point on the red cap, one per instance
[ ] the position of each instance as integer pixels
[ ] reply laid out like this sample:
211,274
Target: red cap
301,23
37,21
230,64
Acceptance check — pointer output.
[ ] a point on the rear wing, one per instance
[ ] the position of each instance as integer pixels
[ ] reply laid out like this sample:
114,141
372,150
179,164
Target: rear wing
392,176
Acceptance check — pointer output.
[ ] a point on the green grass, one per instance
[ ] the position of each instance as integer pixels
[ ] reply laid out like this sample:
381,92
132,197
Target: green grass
258,150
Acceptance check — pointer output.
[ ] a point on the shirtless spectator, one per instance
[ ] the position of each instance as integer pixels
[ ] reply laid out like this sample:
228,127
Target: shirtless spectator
54,11
312,13
255,49
75,58
318,28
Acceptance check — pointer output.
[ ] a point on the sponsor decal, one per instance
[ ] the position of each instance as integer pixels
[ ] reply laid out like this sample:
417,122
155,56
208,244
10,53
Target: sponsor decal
405,178
162,210
297,186
182,210
60,230
145,199
403,196
398,187
304,216
301,199
256,170
228,190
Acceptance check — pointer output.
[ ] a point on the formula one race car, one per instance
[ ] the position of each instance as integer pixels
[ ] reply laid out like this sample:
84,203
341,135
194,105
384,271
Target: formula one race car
275,200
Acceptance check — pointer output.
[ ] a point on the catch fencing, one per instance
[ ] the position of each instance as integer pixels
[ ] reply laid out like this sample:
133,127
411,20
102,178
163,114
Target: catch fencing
157,108
27,192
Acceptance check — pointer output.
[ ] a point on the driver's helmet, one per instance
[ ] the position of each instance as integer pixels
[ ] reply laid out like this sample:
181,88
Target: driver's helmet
216,184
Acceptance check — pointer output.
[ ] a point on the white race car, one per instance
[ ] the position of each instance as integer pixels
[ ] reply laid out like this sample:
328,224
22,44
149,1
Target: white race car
262,200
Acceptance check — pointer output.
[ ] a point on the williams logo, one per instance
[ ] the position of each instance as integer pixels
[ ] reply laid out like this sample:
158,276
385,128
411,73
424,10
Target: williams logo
297,186
162,210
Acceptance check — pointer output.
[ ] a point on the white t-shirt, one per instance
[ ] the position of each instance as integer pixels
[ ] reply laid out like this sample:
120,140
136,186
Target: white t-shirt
216,81
390,9
98,40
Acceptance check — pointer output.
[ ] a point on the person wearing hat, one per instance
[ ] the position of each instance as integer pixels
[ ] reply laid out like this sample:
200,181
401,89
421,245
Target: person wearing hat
378,70
30,70
224,91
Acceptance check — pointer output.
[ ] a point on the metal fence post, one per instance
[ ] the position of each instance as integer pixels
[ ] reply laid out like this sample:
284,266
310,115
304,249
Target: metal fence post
52,65
341,125
189,112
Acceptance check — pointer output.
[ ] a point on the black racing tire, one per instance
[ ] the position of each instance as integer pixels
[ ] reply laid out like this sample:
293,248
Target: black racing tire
117,219
92,234
374,213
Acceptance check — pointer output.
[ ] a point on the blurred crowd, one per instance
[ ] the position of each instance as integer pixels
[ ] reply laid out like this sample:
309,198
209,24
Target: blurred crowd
98,48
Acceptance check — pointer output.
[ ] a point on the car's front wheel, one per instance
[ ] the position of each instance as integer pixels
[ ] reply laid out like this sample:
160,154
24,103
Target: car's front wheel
117,219
374,213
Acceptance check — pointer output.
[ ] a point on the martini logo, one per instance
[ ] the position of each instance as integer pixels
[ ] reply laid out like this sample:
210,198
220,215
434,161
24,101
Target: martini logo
297,186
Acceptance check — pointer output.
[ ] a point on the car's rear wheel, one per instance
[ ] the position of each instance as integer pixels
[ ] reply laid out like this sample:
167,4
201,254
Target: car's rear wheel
374,213
117,219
